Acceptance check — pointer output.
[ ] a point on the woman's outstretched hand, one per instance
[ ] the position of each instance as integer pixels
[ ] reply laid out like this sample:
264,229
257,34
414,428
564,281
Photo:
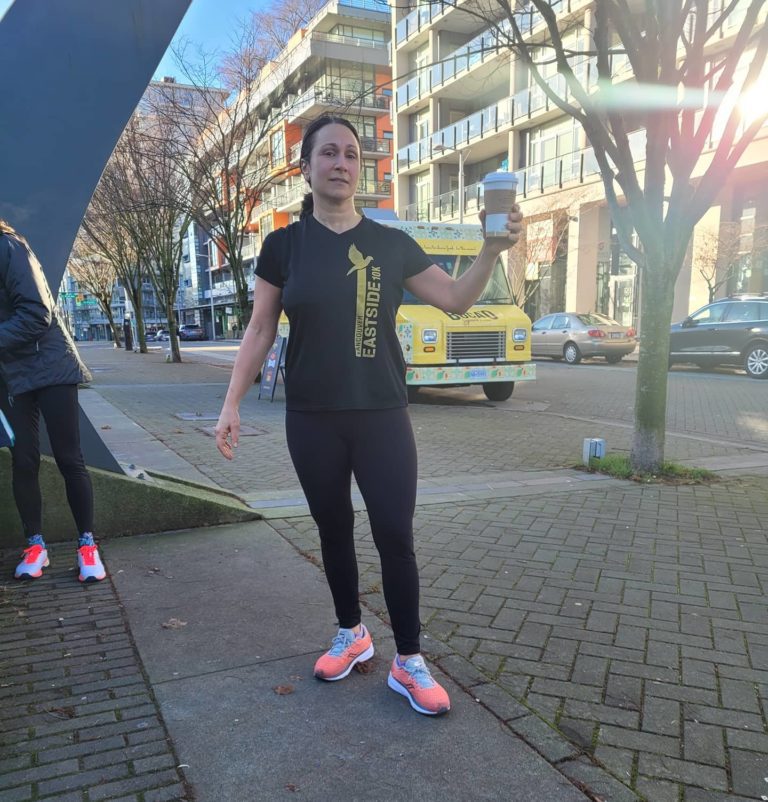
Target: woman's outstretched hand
228,431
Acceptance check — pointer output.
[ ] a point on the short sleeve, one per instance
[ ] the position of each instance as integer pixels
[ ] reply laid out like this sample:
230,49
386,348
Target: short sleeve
415,260
269,265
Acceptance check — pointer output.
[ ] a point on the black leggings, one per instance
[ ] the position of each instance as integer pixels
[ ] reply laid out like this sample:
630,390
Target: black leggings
62,419
378,447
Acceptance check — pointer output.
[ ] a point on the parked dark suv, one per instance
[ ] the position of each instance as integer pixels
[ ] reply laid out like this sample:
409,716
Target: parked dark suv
732,331
191,331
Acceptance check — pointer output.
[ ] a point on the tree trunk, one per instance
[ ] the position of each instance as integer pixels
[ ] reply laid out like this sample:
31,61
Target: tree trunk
113,326
657,299
173,334
244,306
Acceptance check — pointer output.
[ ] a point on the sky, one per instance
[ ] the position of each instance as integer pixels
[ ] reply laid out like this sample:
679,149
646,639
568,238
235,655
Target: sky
207,22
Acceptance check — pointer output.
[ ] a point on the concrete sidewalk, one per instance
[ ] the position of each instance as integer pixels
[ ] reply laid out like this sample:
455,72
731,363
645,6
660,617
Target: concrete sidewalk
188,675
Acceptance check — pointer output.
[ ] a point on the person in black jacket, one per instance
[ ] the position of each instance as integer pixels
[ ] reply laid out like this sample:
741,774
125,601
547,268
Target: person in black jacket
39,372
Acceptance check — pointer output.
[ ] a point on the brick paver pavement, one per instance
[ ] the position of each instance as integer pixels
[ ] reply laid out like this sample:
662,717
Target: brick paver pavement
78,722
626,624
634,620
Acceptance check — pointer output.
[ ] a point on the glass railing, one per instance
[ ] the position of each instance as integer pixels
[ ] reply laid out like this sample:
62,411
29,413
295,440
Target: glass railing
486,121
368,5
418,19
323,94
574,166
374,145
355,41
484,46
374,188
445,206
289,195
505,113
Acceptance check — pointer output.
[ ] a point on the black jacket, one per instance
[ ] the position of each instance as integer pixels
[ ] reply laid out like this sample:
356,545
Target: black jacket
35,349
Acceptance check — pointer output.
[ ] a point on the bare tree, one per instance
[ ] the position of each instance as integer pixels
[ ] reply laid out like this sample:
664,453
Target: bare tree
110,225
716,256
224,136
96,275
160,207
681,93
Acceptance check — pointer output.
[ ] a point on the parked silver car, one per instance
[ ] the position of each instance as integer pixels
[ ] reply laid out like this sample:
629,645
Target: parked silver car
572,337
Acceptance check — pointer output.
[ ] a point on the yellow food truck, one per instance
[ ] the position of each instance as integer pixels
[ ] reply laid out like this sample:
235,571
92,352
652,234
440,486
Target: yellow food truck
489,345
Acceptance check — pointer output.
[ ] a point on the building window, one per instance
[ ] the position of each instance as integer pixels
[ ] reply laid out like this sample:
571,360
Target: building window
350,80
277,147
552,141
359,33
266,226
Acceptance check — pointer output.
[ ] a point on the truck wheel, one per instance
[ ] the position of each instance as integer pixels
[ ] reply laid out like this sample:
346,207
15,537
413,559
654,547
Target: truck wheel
498,391
571,354
413,392
756,361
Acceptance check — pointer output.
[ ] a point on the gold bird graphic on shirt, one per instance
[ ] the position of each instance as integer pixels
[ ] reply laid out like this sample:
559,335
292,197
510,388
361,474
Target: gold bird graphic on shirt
359,262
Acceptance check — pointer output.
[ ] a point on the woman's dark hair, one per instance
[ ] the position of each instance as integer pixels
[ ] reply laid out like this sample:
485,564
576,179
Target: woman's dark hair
308,142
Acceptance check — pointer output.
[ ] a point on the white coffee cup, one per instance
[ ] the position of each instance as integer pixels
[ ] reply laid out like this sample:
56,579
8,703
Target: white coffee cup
499,190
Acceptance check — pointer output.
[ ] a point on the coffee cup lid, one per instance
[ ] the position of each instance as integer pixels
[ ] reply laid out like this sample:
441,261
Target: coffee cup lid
499,177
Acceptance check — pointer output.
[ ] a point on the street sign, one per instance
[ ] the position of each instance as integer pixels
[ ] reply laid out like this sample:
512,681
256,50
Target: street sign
273,364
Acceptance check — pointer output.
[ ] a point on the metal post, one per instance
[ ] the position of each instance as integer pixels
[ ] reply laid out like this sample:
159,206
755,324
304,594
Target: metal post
210,293
461,186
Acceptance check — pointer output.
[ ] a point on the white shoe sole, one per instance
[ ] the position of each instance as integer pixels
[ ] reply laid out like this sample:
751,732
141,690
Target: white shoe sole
361,658
26,575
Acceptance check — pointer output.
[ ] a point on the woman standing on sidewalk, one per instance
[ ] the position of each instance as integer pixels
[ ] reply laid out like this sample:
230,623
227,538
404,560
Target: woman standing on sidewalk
39,372
340,279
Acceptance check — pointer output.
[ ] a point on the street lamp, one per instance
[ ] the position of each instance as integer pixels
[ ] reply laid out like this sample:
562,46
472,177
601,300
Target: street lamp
207,257
462,156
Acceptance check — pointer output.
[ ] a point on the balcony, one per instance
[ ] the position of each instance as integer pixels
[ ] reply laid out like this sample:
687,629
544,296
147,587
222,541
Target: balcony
418,19
445,207
524,106
354,41
374,189
480,49
322,97
376,148
288,198
482,123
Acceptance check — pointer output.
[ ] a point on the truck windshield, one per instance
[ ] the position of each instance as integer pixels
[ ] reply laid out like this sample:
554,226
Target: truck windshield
497,290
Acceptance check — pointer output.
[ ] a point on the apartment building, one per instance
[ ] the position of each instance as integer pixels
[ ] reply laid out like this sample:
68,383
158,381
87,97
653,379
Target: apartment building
464,106
338,64
85,319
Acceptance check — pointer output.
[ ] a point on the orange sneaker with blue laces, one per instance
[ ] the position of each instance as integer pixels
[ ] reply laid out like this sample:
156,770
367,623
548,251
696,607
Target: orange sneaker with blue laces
346,652
413,680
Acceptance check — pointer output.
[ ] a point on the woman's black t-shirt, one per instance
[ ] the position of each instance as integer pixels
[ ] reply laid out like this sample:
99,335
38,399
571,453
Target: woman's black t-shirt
341,293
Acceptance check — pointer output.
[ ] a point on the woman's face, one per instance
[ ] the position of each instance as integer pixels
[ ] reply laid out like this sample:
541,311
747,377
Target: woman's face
334,165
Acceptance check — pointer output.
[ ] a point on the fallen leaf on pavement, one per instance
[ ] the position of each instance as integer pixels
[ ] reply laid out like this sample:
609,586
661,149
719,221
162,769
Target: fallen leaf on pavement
283,690
62,712
174,623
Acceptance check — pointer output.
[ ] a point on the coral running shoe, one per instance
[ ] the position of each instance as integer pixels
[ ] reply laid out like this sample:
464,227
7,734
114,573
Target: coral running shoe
347,650
34,559
413,680
90,564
